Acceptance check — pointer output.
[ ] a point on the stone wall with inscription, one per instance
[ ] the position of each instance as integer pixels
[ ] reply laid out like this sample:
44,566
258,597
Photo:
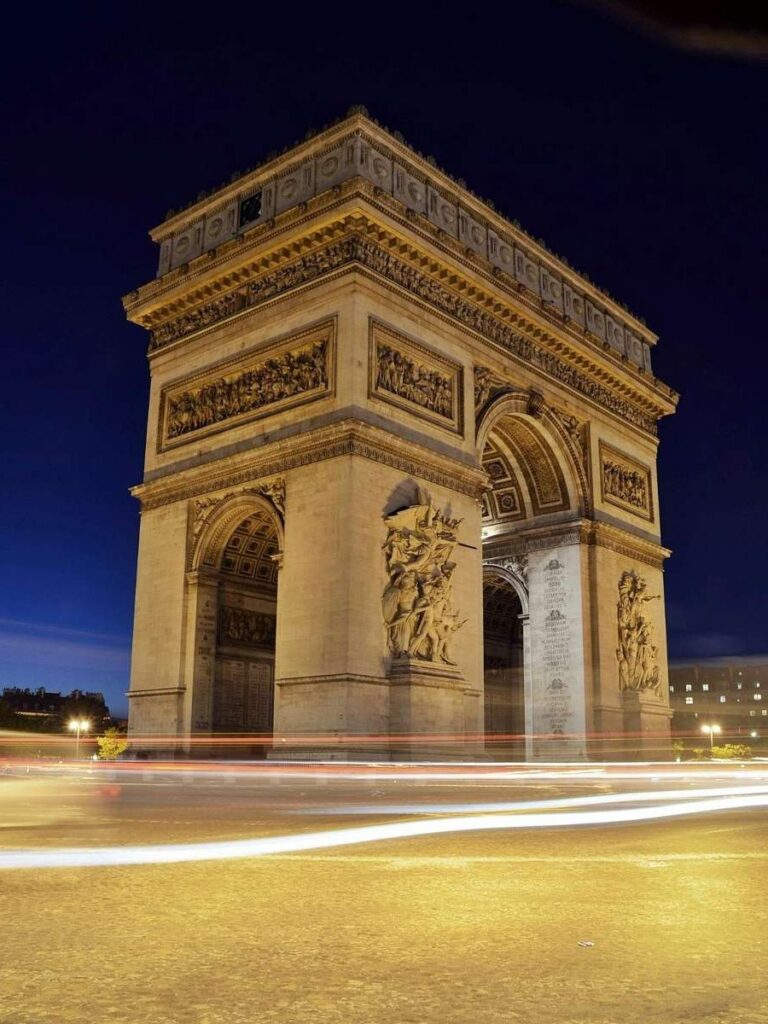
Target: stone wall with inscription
557,714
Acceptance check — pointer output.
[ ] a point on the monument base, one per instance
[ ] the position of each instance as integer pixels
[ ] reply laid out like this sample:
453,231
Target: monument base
433,711
646,726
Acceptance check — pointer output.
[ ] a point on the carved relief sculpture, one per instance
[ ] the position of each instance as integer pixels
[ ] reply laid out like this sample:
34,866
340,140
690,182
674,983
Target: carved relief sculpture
487,383
414,382
406,374
417,605
360,250
636,654
241,626
625,483
283,377
289,371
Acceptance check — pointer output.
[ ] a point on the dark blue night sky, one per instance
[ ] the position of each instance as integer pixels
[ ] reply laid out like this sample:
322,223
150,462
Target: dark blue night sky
643,165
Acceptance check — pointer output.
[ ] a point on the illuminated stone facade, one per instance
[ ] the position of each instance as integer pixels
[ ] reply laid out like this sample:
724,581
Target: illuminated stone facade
377,409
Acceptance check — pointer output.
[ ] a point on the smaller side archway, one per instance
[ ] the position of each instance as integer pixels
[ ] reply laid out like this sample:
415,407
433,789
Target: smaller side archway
506,663
233,603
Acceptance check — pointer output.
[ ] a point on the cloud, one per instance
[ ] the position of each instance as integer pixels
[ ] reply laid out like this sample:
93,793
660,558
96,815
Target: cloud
710,645
35,645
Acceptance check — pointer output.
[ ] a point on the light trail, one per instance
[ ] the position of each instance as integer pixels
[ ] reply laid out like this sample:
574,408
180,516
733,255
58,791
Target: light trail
522,805
116,856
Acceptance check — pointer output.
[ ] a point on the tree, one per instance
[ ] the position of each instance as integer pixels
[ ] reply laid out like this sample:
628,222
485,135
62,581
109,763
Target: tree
111,744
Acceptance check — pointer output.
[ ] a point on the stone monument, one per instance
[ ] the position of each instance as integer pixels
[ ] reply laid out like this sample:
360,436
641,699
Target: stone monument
400,482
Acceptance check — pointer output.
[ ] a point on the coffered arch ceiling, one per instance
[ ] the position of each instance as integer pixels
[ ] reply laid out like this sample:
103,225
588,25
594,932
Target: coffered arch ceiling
526,476
250,552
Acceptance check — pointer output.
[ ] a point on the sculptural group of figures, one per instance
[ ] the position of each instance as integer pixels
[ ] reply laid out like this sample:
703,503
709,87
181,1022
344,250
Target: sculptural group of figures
636,653
417,604
407,379
242,626
625,484
282,377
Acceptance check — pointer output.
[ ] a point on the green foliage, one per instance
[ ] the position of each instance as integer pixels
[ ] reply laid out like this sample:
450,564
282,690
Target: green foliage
733,751
111,744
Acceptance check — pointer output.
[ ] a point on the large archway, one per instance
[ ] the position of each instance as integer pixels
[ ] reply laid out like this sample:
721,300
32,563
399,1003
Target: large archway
237,559
537,490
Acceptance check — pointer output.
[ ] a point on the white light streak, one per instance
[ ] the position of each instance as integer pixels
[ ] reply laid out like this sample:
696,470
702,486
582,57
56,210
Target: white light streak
116,856
524,805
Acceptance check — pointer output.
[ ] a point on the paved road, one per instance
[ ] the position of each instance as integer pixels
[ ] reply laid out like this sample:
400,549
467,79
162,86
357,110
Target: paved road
478,927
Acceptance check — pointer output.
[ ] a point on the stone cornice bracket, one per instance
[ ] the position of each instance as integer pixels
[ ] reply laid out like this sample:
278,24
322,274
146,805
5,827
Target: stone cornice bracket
536,404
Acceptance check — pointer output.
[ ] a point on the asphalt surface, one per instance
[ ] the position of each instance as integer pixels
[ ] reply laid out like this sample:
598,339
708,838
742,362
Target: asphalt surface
640,923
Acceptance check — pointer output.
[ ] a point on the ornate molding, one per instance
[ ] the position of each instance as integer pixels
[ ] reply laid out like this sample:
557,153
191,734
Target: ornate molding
582,531
349,437
360,153
203,508
365,251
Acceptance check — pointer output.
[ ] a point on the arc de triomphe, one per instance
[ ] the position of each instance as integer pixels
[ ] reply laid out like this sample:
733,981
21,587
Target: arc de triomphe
400,476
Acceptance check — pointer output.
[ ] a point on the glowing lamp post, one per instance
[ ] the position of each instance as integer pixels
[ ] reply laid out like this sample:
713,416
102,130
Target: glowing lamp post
711,731
78,725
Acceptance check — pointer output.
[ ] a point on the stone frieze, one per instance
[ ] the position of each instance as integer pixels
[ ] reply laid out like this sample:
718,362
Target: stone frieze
296,370
370,255
625,482
414,378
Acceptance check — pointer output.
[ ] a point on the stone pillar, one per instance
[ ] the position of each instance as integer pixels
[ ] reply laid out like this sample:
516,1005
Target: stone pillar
427,702
558,697
527,685
200,655
647,720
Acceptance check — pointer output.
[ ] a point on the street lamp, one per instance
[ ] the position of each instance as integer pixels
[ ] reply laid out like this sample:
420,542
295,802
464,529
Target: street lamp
712,731
78,725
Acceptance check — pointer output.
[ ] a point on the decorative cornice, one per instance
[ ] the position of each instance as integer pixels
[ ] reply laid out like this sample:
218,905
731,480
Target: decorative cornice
371,247
580,531
359,146
350,437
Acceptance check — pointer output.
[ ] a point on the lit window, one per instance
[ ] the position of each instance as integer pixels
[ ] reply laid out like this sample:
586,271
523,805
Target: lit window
753,713
722,700
764,711
738,686
689,700
757,685
671,689
757,696
705,686
688,687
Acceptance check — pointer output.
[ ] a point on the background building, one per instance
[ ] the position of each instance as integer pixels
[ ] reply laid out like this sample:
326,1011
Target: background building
729,692
49,711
